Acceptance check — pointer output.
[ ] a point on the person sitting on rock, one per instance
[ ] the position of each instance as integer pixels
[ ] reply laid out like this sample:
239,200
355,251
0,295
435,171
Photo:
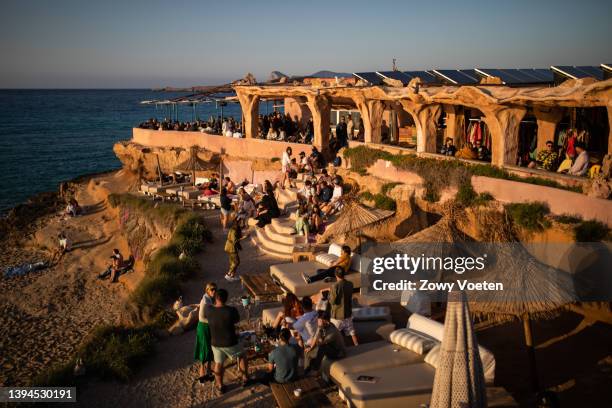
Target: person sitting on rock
114,269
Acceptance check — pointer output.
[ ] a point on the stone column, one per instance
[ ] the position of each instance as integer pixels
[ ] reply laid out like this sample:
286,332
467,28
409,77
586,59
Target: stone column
371,111
455,122
250,112
547,118
320,109
425,118
504,122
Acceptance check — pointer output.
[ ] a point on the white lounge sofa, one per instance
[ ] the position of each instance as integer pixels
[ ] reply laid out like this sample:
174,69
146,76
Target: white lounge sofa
403,368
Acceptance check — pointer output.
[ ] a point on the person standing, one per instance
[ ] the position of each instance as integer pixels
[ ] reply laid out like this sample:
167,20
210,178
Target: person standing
286,165
232,246
341,301
222,320
350,128
203,349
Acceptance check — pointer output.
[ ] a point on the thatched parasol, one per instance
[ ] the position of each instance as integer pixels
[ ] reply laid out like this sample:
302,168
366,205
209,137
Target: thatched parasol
354,216
531,290
193,163
459,379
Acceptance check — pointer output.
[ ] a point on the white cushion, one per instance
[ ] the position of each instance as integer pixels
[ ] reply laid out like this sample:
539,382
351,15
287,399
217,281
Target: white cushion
371,313
335,249
412,340
426,326
326,259
488,361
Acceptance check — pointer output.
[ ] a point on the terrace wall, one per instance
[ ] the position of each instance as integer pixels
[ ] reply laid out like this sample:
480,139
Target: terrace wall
244,147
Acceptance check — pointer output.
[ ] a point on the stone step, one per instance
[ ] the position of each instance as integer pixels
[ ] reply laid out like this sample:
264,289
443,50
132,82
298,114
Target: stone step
271,252
283,225
270,243
284,237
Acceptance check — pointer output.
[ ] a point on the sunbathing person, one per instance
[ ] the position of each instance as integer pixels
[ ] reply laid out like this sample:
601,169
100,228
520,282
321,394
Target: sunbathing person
292,310
328,274
326,345
114,268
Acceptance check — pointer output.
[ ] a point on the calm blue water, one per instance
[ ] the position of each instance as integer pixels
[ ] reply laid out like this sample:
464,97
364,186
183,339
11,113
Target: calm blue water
49,136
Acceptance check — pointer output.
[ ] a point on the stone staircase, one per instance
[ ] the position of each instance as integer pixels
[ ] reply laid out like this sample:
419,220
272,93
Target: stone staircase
278,238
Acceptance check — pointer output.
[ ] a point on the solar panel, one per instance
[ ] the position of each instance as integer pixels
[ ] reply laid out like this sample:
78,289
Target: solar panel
425,76
371,77
506,77
524,77
455,77
471,73
545,72
397,75
594,72
606,67
541,75
571,72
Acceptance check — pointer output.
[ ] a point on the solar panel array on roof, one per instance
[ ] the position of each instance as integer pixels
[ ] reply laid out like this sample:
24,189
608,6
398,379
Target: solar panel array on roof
542,74
471,73
606,67
371,77
397,75
578,72
426,77
455,77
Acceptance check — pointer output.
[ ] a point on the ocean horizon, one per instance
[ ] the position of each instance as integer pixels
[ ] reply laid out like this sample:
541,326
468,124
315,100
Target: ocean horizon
48,136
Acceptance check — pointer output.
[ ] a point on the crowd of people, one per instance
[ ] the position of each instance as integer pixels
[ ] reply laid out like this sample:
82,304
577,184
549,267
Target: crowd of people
469,151
227,126
303,336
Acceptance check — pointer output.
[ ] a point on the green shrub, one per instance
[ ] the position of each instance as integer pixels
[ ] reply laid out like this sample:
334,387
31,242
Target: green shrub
591,231
568,219
530,216
366,195
388,187
466,194
274,159
383,202
482,199
437,173
154,291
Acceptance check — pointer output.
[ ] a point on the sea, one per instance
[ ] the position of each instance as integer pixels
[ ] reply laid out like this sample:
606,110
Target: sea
50,136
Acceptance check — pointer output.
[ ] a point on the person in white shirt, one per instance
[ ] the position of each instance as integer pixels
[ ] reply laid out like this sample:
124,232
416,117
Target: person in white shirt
271,134
581,164
306,325
335,204
286,165
307,192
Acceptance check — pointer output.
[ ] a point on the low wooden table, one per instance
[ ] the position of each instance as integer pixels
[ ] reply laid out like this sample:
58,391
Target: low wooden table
311,397
262,287
303,252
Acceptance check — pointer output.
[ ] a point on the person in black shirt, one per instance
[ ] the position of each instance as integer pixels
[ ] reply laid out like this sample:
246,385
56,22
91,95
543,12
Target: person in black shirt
226,207
222,321
326,192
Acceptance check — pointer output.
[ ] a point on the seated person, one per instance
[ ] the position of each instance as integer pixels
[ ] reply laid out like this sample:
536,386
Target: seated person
292,309
545,159
64,245
449,148
315,219
325,176
581,163
328,274
306,324
263,215
303,163
282,364
246,207
326,345
301,221
325,194
307,192
335,203
208,191
269,200
315,160
482,152
467,152
114,269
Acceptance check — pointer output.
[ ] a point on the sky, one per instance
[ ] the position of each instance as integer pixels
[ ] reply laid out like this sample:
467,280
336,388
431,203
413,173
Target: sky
143,44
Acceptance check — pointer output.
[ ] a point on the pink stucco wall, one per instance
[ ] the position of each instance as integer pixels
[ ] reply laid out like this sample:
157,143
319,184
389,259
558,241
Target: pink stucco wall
240,170
253,148
559,201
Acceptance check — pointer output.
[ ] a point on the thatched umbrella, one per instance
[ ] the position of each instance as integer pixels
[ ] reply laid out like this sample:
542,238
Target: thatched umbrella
459,379
354,216
531,290
193,163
